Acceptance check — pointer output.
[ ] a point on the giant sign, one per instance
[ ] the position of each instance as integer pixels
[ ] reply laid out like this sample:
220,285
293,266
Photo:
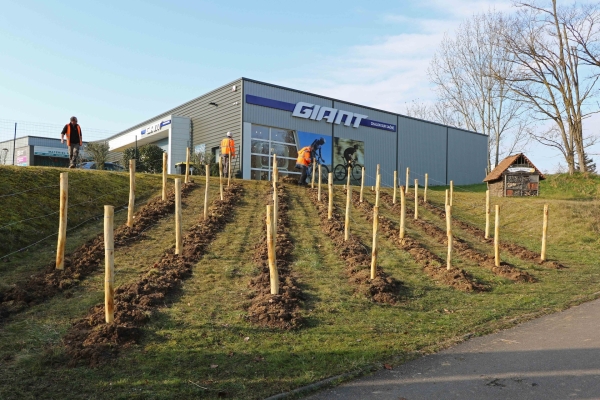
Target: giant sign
156,127
318,113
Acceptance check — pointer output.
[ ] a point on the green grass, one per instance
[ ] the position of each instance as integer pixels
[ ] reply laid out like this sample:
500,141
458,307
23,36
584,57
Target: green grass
196,345
89,191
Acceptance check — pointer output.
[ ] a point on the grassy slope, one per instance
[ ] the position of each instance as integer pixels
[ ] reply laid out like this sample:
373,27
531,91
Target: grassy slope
204,325
89,191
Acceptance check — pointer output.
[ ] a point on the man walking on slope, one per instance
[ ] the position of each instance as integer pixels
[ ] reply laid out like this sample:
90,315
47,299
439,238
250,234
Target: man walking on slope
74,140
227,152
302,162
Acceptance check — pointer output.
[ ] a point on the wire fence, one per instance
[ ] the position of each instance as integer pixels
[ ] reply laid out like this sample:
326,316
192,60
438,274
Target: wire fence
29,218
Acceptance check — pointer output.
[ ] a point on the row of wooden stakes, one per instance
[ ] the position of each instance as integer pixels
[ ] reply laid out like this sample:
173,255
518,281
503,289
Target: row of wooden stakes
109,220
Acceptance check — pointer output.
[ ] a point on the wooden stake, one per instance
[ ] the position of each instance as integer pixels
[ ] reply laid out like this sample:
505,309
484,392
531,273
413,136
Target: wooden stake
402,212
377,189
487,214
446,201
62,220
109,264
229,170
312,175
319,188
395,186
178,229
275,205
425,190
273,273
164,177
497,237
187,166
330,185
362,184
131,205
451,193
544,233
416,199
377,172
374,248
450,237
348,180
274,170
407,178
206,192
347,221
221,177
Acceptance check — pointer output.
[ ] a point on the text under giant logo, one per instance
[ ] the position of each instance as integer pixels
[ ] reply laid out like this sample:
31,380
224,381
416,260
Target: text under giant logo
155,127
318,113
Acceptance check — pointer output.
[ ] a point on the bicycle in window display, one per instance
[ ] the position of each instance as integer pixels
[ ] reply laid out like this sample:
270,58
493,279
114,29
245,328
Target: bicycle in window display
340,172
324,171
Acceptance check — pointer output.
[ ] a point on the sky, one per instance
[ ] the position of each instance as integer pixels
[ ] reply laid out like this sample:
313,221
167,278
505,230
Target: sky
114,64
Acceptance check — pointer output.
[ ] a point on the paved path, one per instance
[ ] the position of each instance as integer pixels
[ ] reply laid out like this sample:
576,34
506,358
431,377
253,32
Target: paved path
553,357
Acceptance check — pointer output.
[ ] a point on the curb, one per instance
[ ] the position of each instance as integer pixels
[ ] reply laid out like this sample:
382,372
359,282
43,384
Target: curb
325,383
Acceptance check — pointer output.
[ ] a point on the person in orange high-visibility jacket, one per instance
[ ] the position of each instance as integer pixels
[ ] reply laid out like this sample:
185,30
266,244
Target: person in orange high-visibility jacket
74,140
303,162
227,152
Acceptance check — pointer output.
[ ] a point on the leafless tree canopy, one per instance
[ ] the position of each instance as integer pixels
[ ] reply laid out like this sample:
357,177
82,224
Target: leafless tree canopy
554,57
468,71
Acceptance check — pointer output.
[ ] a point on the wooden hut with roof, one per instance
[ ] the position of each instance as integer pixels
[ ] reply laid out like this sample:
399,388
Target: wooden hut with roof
514,176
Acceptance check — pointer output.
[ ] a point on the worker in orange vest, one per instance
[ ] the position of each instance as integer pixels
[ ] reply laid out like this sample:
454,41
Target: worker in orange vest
303,162
227,152
74,140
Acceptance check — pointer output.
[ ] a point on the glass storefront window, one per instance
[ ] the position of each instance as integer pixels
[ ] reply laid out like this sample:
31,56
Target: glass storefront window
280,135
260,132
266,142
260,147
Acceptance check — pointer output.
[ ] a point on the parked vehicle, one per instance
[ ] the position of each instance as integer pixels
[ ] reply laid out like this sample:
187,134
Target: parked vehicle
108,166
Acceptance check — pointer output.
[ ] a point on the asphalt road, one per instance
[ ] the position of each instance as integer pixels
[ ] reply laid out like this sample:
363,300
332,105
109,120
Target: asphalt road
553,357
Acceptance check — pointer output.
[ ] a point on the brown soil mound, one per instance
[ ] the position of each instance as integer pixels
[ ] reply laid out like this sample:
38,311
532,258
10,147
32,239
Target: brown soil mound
505,270
289,179
514,249
384,288
85,260
93,341
432,264
282,310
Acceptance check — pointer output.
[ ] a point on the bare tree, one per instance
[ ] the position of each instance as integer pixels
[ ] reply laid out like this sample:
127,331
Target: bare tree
436,112
468,71
552,51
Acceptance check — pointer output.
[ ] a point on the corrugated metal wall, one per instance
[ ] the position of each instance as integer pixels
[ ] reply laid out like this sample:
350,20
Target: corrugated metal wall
466,166
210,123
380,145
422,148
280,118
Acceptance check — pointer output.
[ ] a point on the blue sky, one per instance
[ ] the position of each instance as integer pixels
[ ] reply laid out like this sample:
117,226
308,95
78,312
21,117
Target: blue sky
114,64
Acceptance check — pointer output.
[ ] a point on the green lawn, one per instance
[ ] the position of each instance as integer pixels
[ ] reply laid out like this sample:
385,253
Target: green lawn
201,345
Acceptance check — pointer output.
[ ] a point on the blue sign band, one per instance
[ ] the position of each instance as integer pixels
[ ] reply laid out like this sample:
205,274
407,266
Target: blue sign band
285,106
262,101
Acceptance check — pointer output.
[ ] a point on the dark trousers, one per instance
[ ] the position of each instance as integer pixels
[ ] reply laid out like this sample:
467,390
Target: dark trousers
226,165
73,154
304,170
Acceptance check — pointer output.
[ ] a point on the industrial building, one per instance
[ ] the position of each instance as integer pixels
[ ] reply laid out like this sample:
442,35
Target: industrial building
36,151
267,119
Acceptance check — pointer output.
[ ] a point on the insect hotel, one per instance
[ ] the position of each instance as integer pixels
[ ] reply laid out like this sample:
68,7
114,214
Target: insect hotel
514,176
